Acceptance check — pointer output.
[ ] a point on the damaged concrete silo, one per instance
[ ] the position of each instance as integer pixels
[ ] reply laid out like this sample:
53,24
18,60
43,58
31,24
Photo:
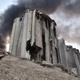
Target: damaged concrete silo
62,52
34,37
77,59
69,57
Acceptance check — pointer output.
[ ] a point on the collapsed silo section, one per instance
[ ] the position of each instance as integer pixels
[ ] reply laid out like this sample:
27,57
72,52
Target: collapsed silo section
71,59
76,56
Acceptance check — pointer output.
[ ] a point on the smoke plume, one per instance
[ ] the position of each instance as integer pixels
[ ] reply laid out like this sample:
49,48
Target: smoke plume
7,21
68,7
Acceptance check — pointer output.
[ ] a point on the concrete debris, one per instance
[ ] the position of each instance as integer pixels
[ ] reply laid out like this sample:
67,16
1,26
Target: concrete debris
12,68
47,64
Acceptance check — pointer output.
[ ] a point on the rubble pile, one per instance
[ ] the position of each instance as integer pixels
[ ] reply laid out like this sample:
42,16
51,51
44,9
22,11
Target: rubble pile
13,68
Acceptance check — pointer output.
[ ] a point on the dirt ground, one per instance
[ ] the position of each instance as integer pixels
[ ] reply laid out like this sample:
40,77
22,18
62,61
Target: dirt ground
12,68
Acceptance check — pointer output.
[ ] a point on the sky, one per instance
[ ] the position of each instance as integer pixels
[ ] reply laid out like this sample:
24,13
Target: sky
66,25
4,4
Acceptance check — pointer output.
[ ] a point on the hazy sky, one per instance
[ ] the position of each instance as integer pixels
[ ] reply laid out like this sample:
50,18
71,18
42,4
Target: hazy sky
66,26
4,4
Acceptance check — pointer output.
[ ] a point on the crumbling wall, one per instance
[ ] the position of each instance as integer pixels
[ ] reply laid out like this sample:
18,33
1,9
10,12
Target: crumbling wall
76,56
70,57
62,52
34,37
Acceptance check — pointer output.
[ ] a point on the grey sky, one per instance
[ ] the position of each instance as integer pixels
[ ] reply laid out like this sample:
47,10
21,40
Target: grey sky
4,4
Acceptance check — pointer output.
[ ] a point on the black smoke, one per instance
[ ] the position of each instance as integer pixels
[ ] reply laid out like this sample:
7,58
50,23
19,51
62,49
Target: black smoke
8,17
47,6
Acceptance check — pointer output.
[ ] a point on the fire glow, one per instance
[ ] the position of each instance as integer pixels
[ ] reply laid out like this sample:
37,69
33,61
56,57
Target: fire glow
7,43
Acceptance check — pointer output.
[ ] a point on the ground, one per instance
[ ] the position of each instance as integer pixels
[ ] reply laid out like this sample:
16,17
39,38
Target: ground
12,68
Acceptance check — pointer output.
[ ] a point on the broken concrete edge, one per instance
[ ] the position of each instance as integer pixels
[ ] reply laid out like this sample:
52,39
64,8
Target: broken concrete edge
50,65
53,66
3,54
40,13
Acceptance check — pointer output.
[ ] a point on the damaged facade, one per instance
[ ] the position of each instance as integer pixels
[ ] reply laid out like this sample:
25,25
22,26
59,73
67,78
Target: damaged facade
70,57
34,37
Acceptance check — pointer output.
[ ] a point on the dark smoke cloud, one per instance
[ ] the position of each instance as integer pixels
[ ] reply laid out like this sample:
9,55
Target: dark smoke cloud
8,17
47,6
68,7
71,6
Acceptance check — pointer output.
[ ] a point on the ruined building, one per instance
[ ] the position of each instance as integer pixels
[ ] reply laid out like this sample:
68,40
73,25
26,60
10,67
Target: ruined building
34,37
70,57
